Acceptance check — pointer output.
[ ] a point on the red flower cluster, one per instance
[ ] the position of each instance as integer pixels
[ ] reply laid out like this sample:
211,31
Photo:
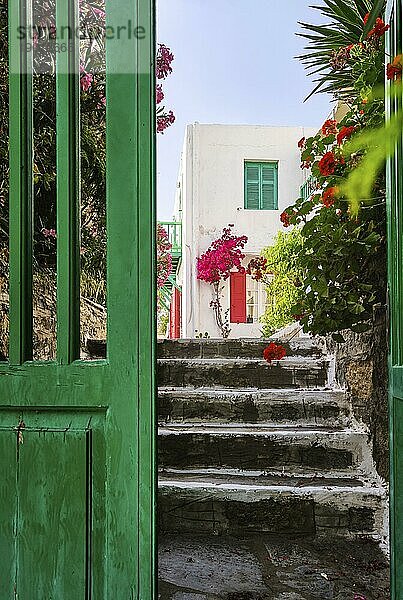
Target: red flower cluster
345,133
274,352
285,219
379,29
394,69
301,143
257,268
329,127
328,198
298,317
223,255
327,164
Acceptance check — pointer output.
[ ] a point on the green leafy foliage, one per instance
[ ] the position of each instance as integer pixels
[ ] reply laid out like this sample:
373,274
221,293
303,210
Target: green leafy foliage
376,145
284,291
343,257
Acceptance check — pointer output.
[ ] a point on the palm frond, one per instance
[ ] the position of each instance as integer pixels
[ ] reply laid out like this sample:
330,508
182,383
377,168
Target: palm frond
343,25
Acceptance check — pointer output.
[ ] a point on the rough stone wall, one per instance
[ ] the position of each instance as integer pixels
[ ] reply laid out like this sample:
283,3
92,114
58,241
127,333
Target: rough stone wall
362,366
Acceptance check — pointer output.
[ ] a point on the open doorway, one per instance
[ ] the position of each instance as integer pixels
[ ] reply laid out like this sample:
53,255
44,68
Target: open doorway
272,355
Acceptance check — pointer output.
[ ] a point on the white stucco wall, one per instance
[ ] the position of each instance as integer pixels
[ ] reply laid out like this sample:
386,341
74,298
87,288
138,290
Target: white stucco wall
211,195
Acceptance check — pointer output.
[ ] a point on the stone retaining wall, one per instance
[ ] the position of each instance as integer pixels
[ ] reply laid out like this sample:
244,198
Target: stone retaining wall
362,366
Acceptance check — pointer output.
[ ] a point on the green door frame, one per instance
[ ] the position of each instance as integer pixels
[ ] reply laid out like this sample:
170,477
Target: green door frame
77,438
394,15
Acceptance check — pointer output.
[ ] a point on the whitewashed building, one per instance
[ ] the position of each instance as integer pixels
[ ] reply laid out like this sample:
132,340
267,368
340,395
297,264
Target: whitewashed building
231,174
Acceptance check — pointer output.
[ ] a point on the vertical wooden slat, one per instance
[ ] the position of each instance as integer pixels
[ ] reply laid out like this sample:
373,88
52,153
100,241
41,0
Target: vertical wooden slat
68,182
21,184
147,310
131,286
122,291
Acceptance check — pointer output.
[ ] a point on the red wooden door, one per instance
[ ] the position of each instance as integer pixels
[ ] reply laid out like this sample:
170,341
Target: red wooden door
238,298
175,316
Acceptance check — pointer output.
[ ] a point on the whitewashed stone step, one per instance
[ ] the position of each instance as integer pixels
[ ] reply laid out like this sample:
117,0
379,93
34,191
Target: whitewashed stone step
190,502
260,447
291,372
323,407
242,348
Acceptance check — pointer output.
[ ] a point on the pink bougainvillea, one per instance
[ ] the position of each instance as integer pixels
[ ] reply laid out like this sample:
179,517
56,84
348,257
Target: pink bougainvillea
165,59
159,94
164,121
164,256
215,265
164,62
49,233
224,254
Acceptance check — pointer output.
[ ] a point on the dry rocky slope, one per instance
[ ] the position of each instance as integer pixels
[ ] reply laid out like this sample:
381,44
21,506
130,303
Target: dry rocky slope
247,448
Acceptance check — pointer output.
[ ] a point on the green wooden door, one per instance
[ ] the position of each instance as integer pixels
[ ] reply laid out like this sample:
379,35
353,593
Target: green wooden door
77,474
395,238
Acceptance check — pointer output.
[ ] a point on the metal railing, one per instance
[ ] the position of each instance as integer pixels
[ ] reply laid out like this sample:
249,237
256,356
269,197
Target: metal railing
309,188
174,231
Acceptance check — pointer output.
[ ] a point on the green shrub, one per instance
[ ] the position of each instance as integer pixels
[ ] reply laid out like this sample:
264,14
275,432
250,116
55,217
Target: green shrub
283,292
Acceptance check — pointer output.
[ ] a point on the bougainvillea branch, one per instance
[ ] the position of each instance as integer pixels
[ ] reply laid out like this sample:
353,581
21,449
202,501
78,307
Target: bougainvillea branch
164,62
164,256
215,265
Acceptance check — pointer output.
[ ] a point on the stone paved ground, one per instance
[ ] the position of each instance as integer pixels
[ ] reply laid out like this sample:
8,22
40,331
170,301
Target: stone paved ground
212,568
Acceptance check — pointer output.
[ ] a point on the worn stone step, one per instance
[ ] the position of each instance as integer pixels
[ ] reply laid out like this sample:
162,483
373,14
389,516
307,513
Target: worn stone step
293,372
219,348
240,348
259,448
237,406
190,503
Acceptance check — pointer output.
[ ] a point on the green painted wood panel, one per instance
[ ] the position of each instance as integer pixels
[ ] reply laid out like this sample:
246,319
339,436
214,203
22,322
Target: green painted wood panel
8,507
68,185
21,186
52,515
82,499
395,286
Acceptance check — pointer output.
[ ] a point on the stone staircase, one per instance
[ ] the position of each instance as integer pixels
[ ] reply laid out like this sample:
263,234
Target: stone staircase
247,448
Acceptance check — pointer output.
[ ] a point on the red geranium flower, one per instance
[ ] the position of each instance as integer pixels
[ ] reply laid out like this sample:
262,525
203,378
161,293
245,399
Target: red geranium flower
301,143
285,219
327,164
329,127
345,133
306,164
379,29
394,69
328,197
274,352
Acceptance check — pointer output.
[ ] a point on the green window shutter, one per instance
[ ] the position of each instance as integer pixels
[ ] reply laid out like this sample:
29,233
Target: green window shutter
269,187
252,186
261,186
